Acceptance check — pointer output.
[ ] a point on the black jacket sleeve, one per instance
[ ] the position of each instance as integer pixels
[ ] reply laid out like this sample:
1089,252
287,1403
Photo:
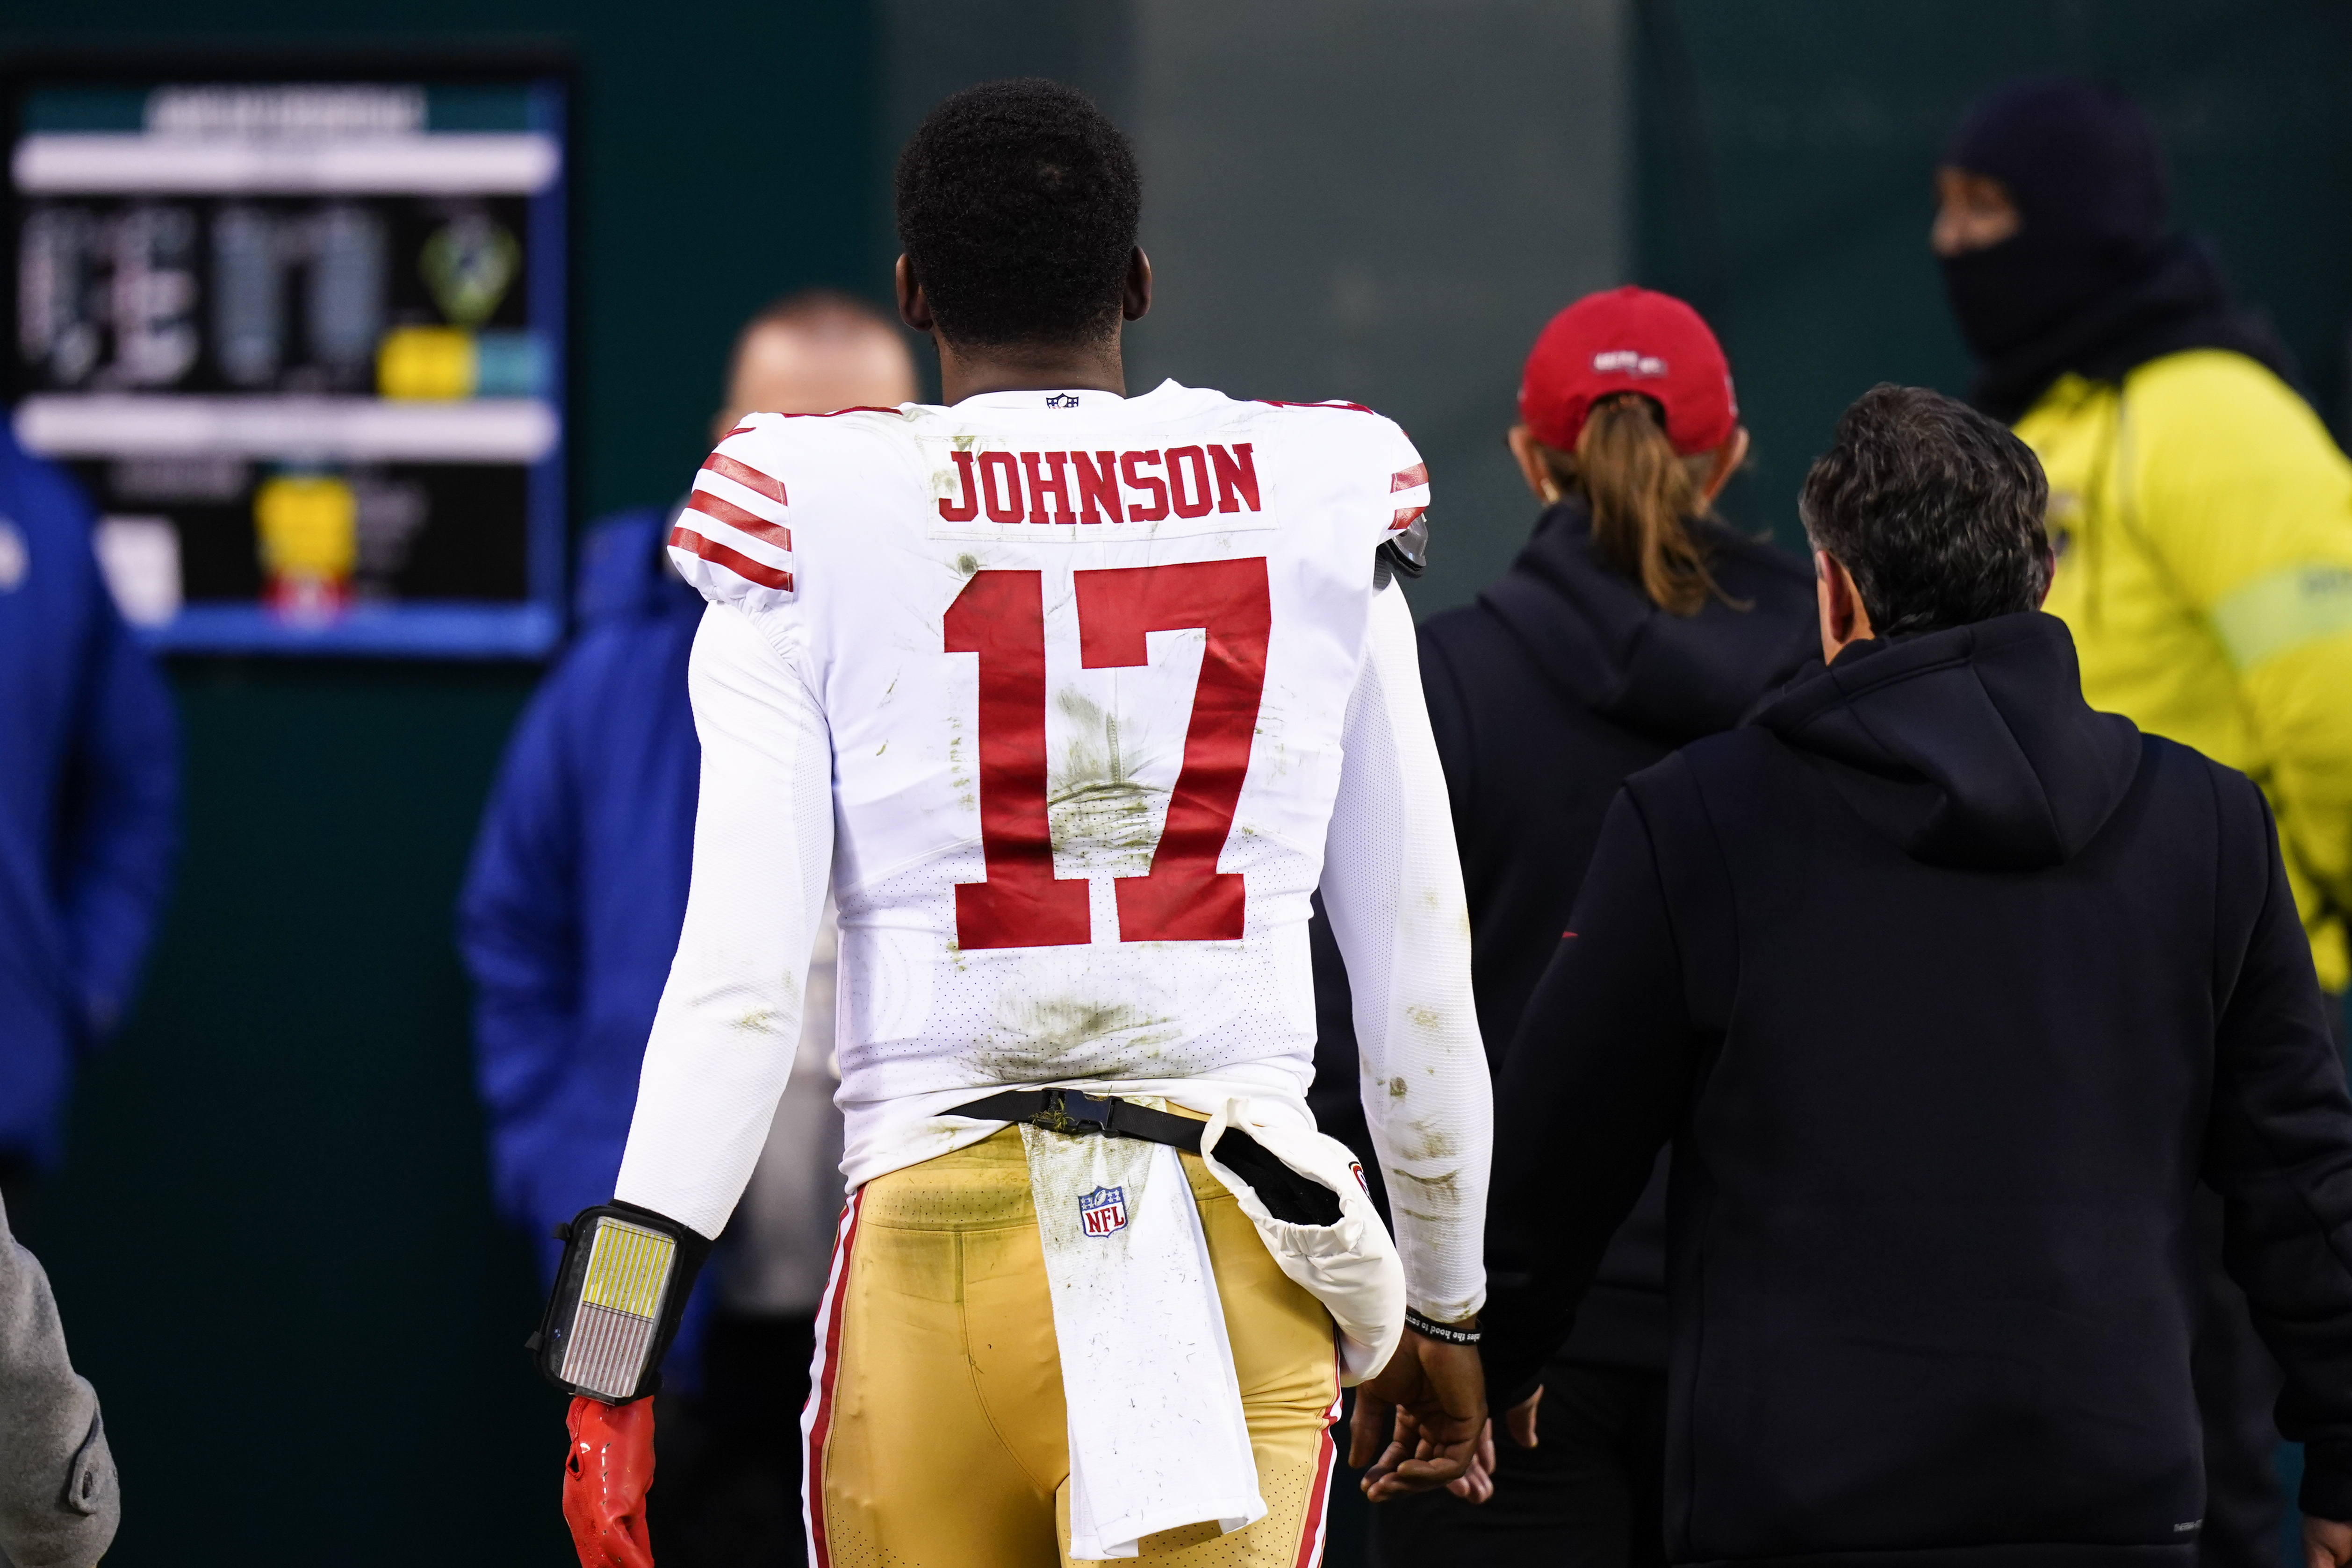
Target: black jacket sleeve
2279,1151
1594,1083
1450,725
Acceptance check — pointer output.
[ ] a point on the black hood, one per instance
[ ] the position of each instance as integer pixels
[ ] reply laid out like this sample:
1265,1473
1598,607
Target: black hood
2095,280
1596,635
1971,747
2173,300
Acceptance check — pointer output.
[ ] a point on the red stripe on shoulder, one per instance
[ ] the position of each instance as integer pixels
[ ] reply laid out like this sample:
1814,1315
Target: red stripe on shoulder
725,511
1403,479
836,414
1329,402
1405,518
744,473
739,430
734,560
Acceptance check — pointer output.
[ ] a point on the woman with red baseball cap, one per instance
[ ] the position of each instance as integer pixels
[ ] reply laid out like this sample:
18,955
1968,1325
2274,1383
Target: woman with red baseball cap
1633,622
1626,401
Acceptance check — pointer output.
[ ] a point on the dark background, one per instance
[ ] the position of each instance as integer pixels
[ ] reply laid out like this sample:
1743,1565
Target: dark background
272,1240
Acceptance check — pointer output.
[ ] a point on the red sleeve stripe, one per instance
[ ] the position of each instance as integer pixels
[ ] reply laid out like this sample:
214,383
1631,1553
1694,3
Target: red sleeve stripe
836,414
736,562
1403,479
1405,518
735,517
744,473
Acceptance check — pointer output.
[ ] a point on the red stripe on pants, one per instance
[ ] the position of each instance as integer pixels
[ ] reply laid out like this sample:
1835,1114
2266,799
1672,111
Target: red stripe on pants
819,1423
1310,1533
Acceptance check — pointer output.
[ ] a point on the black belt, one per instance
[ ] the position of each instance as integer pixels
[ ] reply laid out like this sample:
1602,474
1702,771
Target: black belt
1288,1195
1077,1114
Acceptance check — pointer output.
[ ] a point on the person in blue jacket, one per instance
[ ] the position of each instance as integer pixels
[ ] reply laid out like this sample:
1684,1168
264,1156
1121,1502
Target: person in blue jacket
89,807
568,920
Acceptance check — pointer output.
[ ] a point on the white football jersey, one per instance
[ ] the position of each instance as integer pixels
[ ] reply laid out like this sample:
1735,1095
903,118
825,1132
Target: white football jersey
1079,681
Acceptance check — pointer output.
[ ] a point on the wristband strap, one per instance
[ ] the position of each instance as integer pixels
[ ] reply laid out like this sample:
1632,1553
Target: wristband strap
1447,1333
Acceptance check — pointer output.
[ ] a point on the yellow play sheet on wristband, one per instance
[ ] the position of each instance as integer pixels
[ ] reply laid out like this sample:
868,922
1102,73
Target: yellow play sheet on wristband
620,1303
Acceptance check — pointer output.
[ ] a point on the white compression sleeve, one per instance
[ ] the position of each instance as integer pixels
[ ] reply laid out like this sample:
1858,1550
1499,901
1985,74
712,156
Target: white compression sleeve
1392,887
730,1019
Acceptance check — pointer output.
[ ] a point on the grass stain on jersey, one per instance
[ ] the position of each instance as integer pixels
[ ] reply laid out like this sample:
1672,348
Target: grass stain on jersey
1420,1144
1041,1038
1105,821
959,778
1115,818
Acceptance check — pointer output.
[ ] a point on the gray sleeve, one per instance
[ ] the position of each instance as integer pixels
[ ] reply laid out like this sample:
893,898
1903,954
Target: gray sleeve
60,1500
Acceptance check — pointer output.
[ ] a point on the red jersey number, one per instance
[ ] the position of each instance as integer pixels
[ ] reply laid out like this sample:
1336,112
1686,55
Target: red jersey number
1000,615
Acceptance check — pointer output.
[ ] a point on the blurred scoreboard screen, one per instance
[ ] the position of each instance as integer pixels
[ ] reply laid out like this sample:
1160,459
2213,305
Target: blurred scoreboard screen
302,341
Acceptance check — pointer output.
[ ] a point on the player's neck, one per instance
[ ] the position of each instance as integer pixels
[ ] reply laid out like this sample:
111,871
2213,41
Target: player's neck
968,371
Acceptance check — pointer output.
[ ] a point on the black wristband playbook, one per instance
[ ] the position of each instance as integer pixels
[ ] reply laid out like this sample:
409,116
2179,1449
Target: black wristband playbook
1447,1334
619,1293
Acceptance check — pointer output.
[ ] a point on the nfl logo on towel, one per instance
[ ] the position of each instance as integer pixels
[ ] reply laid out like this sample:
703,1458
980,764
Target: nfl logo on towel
1104,1210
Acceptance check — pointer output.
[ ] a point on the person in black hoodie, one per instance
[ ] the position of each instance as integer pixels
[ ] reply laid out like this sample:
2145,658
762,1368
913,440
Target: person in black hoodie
1948,991
2202,516
1632,622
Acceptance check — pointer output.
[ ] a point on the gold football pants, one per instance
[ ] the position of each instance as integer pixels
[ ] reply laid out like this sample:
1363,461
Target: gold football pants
936,1435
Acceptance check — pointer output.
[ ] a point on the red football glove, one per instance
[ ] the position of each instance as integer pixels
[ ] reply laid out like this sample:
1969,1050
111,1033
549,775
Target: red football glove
606,1474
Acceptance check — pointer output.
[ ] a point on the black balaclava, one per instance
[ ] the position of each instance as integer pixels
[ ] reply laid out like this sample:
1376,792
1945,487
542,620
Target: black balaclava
2088,180
2094,280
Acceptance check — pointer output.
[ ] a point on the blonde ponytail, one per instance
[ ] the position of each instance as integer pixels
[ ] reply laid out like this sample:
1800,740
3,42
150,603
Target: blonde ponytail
1643,496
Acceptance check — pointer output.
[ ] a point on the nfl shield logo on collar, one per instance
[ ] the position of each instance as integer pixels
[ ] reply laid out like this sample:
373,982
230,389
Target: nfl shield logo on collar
1103,1211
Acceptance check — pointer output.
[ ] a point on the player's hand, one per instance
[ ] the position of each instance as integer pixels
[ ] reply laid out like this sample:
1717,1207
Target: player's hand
1418,1424
1519,1420
606,1472
1476,1484
2325,1543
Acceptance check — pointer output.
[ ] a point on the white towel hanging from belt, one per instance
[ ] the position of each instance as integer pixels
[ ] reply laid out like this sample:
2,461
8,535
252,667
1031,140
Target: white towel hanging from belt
1157,1435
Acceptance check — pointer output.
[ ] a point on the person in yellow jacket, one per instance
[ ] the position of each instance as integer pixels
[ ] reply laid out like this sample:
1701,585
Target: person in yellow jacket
2203,519
2207,521
2201,511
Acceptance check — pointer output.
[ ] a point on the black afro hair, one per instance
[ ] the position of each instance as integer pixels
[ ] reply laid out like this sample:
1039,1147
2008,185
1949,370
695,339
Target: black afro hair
1017,207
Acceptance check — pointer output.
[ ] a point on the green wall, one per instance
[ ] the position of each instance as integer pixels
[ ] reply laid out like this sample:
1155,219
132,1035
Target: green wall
270,1243
1786,153
272,1240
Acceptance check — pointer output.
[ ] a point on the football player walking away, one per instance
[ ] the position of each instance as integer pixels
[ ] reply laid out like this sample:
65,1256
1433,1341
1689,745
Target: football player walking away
1077,698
